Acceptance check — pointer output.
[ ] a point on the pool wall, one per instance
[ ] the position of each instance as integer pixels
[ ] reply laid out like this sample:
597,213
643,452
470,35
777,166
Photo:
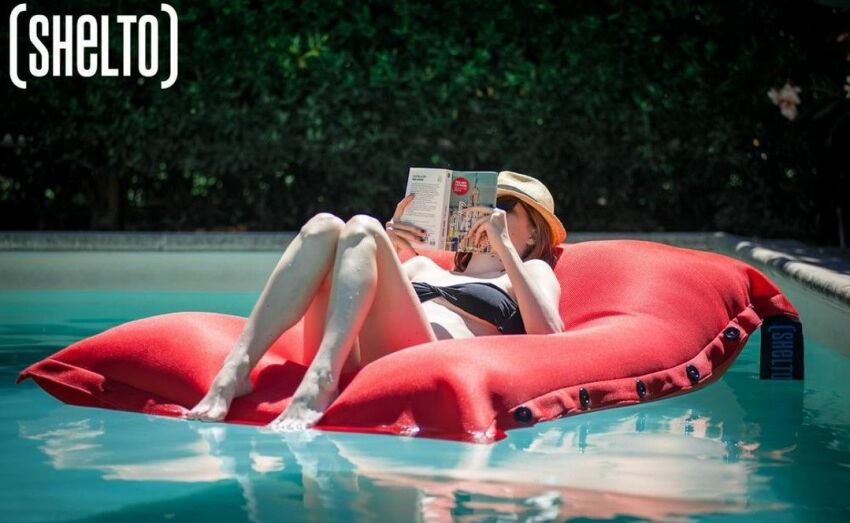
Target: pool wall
815,279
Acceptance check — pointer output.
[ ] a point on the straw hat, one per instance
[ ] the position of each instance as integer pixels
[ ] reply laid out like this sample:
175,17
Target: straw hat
535,194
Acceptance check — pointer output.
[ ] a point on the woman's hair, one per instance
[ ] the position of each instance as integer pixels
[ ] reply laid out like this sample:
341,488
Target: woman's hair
541,249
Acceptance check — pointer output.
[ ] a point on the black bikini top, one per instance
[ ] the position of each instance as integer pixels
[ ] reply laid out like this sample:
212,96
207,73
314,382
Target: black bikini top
486,300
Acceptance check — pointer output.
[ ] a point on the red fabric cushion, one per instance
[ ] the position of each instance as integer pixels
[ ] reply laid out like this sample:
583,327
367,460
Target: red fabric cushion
633,310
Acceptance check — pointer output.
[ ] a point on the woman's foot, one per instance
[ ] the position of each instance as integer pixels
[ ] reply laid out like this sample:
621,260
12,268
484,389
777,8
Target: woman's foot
318,389
231,381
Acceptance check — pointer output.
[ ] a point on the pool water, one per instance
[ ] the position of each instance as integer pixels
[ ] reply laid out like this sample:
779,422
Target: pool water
740,449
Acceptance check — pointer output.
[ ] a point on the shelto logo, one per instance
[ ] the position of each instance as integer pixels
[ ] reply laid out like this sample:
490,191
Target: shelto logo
782,351
64,45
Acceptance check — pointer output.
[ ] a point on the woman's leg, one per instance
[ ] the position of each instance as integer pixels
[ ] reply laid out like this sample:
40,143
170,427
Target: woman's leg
371,297
284,300
314,328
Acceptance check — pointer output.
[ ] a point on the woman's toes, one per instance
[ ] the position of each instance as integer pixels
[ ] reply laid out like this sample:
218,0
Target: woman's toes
217,413
296,418
212,415
196,413
211,408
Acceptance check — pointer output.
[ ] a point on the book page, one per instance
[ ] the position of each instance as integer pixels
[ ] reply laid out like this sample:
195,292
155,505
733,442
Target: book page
428,207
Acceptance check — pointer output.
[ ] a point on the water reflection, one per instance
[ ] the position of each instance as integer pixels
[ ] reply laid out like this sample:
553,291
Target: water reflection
662,461
84,445
737,446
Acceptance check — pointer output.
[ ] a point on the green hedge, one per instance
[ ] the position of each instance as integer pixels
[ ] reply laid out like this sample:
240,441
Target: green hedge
639,115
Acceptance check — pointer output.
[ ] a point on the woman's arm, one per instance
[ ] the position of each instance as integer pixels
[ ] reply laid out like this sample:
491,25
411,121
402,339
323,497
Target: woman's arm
537,290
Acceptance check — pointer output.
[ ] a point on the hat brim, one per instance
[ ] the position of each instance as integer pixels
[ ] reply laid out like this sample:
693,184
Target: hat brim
559,232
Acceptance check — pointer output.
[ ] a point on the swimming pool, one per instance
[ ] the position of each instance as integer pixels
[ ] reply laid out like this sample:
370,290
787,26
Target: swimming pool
741,449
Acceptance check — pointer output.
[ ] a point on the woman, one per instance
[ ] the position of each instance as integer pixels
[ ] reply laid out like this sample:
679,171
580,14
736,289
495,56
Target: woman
360,302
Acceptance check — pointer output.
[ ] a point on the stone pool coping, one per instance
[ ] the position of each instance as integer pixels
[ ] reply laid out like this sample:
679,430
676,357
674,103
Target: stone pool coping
822,269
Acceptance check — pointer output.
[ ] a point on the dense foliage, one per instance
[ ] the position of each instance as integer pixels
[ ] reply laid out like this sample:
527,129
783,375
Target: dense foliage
639,115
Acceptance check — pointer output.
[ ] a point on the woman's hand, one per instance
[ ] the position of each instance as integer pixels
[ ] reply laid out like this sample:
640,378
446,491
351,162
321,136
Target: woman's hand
494,225
404,235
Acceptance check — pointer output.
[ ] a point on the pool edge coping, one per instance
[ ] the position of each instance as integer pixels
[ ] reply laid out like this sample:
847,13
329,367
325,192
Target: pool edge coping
825,270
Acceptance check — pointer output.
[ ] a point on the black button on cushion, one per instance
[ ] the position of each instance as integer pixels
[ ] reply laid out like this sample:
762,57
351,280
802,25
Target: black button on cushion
693,374
584,397
641,389
522,414
731,333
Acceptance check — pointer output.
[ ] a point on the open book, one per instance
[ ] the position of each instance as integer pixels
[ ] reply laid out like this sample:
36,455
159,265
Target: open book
441,195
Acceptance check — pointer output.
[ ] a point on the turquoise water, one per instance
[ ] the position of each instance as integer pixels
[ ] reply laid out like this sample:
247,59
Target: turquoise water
741,449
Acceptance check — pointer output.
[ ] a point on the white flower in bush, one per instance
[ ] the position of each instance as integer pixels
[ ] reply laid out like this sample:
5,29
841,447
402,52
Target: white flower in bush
787,99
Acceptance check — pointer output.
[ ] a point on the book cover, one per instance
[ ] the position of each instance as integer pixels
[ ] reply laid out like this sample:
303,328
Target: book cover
441,196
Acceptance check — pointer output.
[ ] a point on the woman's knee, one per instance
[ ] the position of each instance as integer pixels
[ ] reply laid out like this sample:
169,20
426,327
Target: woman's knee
362,225
323,224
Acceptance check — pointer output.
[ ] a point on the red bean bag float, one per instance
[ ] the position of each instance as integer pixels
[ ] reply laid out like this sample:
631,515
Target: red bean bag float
643,321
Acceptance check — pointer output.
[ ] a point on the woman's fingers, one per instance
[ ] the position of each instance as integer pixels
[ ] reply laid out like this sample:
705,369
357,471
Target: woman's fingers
409,236
405,235
472,233
481,228
479,223
407,230
404,240
408,227
402,205
479,208
479,234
